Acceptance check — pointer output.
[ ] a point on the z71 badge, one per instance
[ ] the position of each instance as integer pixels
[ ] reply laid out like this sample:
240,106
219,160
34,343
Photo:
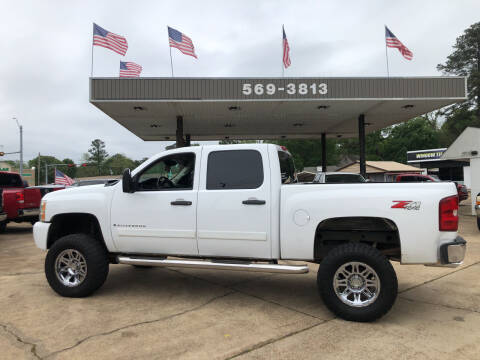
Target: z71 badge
406,204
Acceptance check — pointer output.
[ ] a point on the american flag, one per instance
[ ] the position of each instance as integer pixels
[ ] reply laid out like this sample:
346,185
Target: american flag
106,39
129,69
286,50
393,42
181,41
62,179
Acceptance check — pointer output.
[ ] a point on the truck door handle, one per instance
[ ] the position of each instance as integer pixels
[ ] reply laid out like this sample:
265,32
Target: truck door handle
181,203
253,202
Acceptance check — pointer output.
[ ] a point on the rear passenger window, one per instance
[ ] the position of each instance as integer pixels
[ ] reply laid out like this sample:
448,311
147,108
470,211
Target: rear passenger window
234,169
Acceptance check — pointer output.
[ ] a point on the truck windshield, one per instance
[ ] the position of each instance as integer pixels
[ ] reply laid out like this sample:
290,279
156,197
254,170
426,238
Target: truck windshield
10,180
287,167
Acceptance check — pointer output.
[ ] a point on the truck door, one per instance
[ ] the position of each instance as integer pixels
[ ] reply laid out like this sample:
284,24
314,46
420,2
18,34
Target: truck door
160,216
233,203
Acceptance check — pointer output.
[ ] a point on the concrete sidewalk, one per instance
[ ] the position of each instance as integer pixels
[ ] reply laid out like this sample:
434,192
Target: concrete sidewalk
203,314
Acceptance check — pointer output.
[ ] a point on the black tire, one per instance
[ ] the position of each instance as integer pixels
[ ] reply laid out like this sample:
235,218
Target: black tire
478,222
3,227
96,258
370,256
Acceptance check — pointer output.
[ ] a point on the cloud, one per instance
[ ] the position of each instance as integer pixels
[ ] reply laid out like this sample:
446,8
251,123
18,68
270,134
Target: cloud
46,54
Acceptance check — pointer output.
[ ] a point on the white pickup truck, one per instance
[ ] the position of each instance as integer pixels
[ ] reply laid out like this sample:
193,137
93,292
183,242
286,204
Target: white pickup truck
238,207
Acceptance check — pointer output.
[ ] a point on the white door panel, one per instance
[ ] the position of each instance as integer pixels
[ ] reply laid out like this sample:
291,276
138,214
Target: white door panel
161,216
146,222
227,226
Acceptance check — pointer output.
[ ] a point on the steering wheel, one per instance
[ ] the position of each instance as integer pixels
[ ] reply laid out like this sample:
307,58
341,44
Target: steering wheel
164,182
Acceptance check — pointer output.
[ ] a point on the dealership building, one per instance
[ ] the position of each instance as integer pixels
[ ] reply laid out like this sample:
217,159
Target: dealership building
186,109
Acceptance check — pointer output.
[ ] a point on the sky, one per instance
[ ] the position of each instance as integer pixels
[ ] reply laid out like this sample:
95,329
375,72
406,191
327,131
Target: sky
46,54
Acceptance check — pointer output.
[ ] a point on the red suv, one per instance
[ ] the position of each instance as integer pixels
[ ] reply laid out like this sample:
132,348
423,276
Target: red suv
461,189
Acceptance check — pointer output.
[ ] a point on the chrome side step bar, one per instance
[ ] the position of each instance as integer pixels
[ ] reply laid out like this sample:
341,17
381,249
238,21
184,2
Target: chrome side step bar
200,264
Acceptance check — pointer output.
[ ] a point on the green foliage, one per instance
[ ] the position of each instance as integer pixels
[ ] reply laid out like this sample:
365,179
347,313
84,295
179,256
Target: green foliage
465,61
415,134
115,164
69,170
97,154
456,122
50,160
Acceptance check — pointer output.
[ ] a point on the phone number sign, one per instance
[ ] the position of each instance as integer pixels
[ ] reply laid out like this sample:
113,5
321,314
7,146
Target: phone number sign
307,89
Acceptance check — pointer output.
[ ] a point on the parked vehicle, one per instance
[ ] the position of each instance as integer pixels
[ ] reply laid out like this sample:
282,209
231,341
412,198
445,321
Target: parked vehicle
477,209
237,207
93,182
20,203
3,215
461,189
338,178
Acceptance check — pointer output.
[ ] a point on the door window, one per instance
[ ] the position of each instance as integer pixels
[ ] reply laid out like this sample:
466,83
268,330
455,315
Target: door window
234,169
173,172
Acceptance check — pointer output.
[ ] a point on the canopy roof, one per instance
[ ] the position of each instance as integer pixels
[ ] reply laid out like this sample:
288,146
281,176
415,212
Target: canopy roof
268,108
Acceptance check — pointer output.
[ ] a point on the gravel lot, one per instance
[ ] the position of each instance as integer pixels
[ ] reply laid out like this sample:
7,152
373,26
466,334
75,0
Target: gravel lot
202,314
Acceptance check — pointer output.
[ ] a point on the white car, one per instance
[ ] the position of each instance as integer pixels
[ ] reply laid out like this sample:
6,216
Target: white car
338,178
237,207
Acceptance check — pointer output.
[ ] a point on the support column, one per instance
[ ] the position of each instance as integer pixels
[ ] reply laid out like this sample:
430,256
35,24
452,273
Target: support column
324,152
179,133
361,142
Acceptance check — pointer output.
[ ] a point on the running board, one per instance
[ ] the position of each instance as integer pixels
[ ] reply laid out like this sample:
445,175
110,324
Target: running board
270,268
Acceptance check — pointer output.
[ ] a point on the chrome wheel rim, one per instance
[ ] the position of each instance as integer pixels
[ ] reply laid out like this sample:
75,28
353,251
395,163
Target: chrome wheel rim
71,267
356,284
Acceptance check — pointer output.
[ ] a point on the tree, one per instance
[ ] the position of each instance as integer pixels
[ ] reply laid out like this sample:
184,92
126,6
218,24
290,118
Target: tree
97,154
115,164
418,133
465,61
69,170
49,160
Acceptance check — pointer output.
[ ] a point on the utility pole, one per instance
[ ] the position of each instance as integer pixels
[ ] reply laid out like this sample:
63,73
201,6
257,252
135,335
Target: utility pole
39,164
21,146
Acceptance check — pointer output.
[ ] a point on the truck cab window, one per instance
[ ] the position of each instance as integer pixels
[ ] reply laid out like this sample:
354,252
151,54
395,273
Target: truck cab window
174,172
234,169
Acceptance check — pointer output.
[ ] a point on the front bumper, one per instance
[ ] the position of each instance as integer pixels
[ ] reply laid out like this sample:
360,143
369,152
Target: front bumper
40,234
453,253
3,217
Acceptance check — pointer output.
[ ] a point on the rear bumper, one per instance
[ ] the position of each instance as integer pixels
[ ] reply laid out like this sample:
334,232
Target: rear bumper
3,217
40,234
28,212
453,253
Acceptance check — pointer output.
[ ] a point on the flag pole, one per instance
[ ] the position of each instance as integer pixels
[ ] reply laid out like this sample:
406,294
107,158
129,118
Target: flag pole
386,54
283,67
171,61
91,68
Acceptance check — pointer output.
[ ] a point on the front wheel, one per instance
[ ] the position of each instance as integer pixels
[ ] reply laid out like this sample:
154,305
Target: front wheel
478,222
76,265
357,282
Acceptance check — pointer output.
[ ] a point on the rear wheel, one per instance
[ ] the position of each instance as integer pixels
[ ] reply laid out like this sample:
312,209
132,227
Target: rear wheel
357,282
76,265
478,222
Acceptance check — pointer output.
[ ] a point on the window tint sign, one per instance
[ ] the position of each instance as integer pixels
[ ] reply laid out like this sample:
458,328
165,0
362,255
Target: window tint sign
425,155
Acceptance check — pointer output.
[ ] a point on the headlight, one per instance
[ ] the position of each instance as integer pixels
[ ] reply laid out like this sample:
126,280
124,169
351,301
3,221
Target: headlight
43,206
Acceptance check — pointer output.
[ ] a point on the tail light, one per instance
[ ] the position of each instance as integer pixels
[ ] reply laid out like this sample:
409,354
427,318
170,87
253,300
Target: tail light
448,214
20,197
